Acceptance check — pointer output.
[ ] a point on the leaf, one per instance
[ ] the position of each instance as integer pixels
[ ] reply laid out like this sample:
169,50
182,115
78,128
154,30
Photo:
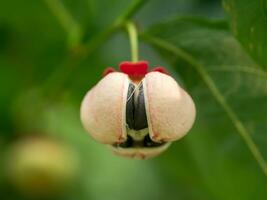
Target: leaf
228,88
249,25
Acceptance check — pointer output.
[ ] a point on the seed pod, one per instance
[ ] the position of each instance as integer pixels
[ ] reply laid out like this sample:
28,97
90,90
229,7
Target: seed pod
41,167
138,113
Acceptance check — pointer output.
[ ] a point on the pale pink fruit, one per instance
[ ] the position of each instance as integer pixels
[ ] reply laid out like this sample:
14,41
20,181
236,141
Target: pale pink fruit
170,110
138,113
103,109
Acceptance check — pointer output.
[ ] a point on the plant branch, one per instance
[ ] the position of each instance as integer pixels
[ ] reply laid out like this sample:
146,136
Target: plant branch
64,71
100,38
66,21
239,126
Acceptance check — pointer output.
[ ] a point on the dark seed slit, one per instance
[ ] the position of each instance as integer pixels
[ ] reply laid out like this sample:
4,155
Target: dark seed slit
146,142
136,118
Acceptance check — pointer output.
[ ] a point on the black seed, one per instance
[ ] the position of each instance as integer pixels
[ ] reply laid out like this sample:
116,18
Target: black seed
149,143
140,119
128,143
135,108
130,106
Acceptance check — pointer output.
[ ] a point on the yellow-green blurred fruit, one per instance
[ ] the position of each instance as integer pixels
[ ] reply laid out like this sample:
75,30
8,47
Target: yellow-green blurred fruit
41,167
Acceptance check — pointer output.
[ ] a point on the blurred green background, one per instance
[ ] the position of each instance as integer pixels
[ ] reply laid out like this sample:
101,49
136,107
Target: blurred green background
52,52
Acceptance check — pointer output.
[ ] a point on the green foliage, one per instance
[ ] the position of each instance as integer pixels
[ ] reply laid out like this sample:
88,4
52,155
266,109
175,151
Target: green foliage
249,25
53,52
226,84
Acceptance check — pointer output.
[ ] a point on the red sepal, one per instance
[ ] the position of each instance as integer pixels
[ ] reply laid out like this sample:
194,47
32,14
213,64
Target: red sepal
108,71
134,69
161,70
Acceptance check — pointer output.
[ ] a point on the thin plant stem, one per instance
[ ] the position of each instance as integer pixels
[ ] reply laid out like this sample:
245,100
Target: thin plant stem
133,37
60,76
100,38
66,21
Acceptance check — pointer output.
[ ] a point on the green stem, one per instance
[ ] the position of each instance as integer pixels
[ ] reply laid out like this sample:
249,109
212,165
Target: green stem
66,20
241,69
60,76
137,4
100,38
133,37
239,126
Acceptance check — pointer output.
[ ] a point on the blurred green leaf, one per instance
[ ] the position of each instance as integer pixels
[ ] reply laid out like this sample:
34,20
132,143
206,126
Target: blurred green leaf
228,88
249,25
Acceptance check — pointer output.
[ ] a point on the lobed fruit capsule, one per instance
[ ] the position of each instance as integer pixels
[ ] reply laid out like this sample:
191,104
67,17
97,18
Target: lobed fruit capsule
136,112
40,167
